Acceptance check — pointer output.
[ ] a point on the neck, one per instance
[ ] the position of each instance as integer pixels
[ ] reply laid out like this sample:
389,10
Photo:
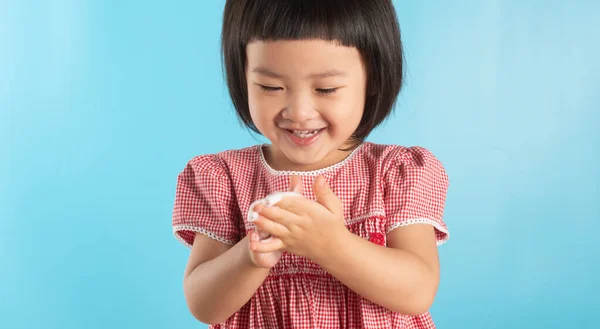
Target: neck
278,161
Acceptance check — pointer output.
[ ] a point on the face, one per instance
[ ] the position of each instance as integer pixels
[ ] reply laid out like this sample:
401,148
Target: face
307,97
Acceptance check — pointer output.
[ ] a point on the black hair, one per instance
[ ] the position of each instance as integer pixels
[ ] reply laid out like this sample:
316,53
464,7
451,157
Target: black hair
371,26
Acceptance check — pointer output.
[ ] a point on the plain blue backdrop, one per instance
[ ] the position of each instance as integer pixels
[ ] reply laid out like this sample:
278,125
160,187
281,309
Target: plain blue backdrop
102,104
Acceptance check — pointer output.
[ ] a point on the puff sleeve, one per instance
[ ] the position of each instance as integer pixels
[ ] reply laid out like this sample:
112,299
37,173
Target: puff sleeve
205,202
415,187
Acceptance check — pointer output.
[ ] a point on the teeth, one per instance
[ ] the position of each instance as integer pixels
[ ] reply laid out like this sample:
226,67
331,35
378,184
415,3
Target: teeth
305,133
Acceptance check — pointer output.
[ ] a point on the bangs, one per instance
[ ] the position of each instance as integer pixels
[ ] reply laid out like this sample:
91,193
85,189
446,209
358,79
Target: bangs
302,20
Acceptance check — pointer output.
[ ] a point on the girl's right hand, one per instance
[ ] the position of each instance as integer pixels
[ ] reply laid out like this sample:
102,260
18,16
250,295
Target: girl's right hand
259,259
269,259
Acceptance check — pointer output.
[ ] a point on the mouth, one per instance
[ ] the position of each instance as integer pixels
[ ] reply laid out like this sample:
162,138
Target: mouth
303,137
304,133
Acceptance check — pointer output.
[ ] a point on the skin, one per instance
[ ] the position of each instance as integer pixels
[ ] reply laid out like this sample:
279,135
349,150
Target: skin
305,85
310,84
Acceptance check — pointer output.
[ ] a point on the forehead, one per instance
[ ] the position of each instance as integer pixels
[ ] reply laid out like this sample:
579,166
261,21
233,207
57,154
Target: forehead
306,57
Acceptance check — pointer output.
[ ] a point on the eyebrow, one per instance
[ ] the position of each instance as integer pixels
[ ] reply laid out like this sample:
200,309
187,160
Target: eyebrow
322,75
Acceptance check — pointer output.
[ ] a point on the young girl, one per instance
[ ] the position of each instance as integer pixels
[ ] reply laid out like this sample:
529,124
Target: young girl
358,247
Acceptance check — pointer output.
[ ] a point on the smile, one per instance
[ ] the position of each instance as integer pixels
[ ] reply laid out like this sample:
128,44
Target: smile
304,133
303,137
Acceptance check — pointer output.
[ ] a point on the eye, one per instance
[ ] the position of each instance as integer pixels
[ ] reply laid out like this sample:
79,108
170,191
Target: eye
327,91
269,89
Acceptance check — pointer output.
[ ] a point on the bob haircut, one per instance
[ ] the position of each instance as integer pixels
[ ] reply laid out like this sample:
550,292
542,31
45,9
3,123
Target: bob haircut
371,26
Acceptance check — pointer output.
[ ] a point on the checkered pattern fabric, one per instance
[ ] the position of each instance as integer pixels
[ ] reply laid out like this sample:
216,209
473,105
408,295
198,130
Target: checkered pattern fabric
382,187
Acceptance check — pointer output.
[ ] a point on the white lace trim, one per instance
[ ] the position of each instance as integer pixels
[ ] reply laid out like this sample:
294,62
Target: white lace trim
305,173
423,221
292,270
198,230
351,221
363,217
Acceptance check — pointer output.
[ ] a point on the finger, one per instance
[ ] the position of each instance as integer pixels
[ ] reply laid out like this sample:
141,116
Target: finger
271,227
326,197
253,236
300,206
262,235
271,245
296,184
276,214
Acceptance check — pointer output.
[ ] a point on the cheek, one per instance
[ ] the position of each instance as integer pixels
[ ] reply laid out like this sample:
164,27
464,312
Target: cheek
253,107
347,113
356,108
263,109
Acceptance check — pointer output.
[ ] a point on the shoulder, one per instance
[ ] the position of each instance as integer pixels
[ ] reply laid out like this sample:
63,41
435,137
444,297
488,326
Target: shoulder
392,157
398,154
224,161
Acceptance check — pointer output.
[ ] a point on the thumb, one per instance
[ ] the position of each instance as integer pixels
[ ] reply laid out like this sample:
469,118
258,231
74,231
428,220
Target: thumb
296,184
326,197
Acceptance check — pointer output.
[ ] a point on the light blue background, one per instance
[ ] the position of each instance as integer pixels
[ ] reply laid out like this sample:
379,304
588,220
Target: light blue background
102,103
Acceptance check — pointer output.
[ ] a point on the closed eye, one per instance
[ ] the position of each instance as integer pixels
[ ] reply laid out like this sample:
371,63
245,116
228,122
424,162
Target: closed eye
270,89
327,91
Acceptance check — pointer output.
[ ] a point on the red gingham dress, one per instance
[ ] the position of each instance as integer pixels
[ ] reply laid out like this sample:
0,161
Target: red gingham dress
382,187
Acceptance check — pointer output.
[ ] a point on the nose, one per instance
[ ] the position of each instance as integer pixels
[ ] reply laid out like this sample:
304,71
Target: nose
300,108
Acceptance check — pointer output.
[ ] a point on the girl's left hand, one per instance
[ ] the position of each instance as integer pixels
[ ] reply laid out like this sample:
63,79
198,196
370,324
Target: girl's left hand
302,226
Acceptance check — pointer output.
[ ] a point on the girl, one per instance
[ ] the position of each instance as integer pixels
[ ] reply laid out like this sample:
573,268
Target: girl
358,249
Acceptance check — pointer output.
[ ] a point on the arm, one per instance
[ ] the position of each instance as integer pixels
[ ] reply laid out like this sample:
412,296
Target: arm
402,277
219,279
